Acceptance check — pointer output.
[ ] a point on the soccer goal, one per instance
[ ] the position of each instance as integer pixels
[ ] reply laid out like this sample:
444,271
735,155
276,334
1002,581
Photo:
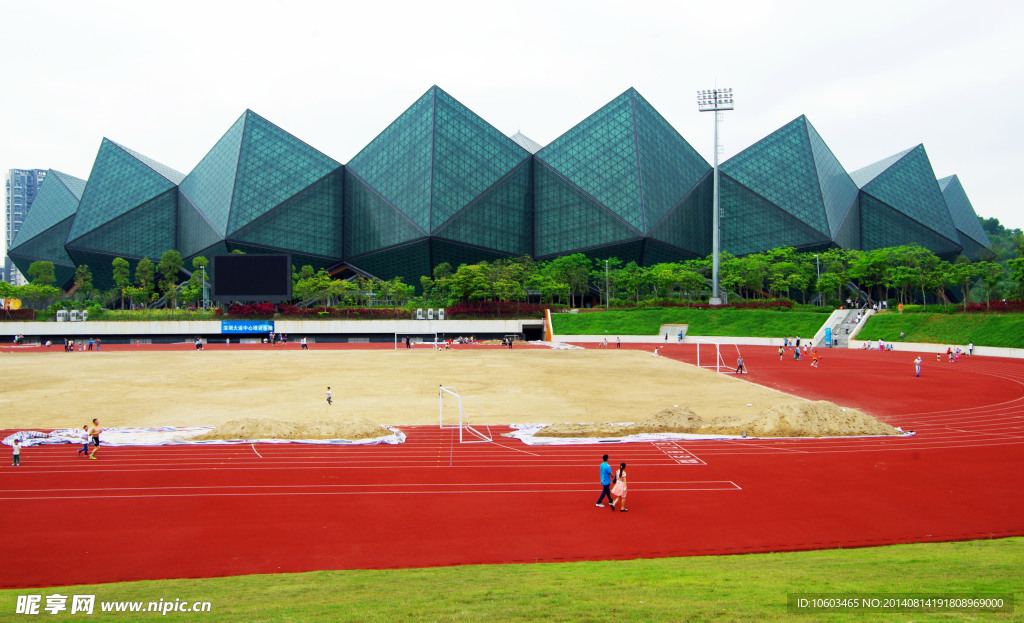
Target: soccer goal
453,413
710,356
414,339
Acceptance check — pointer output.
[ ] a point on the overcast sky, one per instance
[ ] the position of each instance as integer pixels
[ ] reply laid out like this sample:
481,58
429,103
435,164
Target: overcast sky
167,79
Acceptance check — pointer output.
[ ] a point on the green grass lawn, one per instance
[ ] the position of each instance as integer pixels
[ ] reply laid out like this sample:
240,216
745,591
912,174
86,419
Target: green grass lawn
752,587
1006,330
746,322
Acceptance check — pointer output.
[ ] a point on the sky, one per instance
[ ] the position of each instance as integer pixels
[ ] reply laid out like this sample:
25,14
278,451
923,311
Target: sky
167,79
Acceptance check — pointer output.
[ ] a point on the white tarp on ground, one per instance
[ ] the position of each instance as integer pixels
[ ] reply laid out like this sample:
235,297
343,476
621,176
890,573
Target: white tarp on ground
527,434
174,435
558,345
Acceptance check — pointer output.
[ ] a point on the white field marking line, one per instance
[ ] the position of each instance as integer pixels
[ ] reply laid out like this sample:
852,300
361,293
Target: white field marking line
253,446
258,466
510,448
823,449
587,484
866,450
766,444
85,496
668,447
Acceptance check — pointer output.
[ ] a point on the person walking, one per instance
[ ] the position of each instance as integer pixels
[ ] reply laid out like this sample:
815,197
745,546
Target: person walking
304,345
740,368
917,366
620,488
606,482
329,395
618,342
781,352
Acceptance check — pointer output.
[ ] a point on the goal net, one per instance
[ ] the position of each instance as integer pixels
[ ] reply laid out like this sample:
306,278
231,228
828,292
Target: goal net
411,340
710,355
454,412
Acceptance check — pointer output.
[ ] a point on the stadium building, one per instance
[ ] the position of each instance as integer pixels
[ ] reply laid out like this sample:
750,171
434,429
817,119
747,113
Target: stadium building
440,184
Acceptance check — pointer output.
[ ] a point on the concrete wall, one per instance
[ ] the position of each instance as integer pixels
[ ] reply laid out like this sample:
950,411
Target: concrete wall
291,327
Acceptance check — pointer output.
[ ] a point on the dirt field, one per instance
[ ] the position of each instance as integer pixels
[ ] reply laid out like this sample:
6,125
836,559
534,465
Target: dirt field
388,387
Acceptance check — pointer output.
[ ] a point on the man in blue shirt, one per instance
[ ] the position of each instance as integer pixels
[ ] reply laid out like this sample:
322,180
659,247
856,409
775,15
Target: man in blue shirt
606,483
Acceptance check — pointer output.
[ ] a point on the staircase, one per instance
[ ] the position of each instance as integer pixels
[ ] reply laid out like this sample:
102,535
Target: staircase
842,328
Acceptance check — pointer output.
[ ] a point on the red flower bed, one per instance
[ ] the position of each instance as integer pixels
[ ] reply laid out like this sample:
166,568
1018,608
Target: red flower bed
253,310
335,313
997,306
18,314
497,309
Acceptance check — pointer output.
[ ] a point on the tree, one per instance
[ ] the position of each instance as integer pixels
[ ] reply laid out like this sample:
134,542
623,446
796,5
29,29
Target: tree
572,270
169,267
471,283
41,272
992,275
963,274
83,280
122,276
145,272
1016,270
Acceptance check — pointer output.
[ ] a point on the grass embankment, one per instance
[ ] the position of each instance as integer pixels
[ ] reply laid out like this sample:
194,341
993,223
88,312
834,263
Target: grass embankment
751,587
1003,330
746,322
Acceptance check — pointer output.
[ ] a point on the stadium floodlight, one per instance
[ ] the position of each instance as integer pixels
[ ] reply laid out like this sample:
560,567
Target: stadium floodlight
715,100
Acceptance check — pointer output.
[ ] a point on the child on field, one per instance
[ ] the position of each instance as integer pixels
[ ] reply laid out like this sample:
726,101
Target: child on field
619,490
16,453
85,441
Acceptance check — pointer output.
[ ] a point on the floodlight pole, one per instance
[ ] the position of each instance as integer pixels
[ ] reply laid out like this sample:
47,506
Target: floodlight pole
715,100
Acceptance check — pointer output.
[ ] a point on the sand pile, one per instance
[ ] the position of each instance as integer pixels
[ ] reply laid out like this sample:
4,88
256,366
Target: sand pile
816,419
792,419
256,428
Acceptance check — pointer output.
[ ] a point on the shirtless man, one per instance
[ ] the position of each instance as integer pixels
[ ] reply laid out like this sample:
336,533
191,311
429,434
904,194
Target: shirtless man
94,433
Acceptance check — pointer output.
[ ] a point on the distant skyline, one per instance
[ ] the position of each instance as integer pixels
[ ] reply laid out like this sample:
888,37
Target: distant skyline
167,80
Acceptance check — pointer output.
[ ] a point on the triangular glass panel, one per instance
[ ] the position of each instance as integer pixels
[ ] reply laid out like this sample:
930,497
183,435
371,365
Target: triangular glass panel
211,184
397,163
752,224
567,219
499,219
780,169
309,223
371,223
599,155
273,166
118,183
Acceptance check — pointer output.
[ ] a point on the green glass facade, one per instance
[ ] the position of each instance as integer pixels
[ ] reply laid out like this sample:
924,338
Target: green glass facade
261,189
46,228
621,176
901,203
788,189
128,209
975,242
440,184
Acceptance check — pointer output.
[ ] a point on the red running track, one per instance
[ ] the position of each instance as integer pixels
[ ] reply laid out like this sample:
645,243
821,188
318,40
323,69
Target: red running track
167,512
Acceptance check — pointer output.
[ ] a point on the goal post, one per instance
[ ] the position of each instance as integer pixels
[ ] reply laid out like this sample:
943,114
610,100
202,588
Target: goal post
713,358
414,339
454,414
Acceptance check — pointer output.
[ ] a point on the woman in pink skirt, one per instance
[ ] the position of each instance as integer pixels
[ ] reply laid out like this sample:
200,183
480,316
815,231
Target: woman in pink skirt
619,490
